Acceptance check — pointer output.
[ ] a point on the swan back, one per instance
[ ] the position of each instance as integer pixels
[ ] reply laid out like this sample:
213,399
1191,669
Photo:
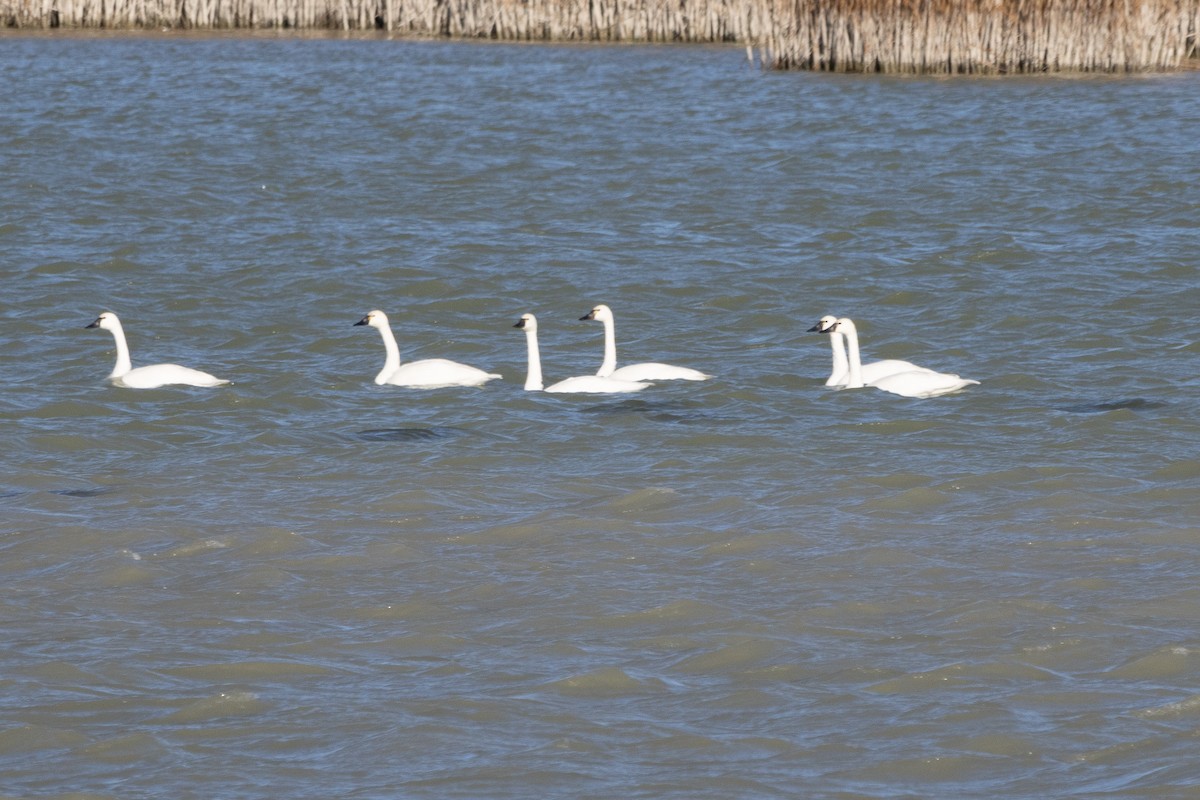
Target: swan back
654,371
876,371
923,383
594,384
156,375
438,373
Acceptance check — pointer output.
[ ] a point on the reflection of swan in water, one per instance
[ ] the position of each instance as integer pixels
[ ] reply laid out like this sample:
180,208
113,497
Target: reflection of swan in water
914,383
871,372
429,373
584,384
646,371
149,377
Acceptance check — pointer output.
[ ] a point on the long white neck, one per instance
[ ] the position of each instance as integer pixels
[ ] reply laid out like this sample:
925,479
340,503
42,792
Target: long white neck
837,343
855,381
123,364
610,350
533,378
392,362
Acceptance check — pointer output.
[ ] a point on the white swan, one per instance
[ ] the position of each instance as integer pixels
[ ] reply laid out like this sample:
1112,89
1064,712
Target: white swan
584,384
646,371
871,372
430,373
914,383
149,377
841,367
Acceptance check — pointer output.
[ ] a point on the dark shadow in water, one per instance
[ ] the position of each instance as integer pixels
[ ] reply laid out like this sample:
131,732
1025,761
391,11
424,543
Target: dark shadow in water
82,492
1136,404
406,434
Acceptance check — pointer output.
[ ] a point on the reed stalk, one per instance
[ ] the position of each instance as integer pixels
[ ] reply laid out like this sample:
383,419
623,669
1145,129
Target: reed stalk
905,36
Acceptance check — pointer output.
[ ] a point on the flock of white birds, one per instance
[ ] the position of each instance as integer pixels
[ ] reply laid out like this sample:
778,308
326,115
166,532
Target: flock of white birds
897,377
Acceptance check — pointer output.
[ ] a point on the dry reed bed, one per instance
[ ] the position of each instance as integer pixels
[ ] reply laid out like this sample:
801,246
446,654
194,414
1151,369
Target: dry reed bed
917,36
982,36
542,20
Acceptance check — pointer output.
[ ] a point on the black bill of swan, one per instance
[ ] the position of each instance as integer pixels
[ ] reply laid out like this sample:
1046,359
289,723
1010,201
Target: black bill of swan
645,371
919,382
154,375
429,373
584,384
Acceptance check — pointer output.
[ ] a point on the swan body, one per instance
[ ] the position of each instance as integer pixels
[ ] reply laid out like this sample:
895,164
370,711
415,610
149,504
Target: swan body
584,384
871,372
923,383
429,373
645,371
919,382
154,375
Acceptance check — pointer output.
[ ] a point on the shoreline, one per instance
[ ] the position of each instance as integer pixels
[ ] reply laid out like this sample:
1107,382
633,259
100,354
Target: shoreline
968,37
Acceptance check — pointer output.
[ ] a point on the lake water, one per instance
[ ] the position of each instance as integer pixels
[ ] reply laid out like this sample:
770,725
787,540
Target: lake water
305,585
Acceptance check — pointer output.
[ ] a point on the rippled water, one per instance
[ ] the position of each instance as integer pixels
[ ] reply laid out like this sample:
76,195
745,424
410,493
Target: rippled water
308,586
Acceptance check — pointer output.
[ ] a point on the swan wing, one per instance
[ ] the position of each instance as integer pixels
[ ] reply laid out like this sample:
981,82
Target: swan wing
155,375
593,384
878,370
922,384
435,373
654,371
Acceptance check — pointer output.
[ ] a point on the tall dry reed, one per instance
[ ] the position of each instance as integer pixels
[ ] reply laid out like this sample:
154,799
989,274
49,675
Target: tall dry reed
916,36
982,36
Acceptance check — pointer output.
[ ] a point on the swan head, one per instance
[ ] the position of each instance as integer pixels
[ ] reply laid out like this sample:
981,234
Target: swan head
600,313
527,323
824,325
107,320
376,319
842,325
